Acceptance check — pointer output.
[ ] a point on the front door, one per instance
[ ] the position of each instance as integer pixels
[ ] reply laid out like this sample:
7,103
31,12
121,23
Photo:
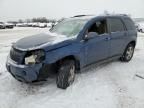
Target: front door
97,48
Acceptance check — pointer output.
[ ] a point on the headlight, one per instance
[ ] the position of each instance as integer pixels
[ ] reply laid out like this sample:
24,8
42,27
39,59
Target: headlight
34,57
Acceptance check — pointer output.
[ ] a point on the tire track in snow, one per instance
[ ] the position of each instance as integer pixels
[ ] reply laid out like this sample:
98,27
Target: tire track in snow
122,93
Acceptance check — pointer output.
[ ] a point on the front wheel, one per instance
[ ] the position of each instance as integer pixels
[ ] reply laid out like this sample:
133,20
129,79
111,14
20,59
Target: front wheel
66,74
128,54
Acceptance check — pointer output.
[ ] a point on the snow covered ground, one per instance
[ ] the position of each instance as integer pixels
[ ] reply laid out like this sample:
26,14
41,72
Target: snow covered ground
111,85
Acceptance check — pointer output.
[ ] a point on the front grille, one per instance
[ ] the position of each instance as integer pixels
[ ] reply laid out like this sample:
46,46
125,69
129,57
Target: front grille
17,55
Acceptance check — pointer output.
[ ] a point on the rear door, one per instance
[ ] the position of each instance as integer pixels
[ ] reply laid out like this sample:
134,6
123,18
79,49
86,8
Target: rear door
118,34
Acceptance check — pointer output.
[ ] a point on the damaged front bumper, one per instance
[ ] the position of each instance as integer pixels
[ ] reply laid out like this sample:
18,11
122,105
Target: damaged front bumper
28,73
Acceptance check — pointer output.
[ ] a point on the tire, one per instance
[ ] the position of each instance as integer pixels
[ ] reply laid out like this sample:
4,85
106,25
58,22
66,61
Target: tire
66,74
128,53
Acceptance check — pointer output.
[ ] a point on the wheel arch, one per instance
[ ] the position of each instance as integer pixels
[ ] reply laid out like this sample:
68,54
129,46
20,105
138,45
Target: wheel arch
133,43
70,57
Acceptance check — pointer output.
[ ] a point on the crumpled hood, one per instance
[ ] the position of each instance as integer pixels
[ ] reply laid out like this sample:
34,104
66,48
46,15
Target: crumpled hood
44,40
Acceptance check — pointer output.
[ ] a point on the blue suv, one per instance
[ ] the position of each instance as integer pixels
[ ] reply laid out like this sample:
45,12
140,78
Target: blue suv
72,44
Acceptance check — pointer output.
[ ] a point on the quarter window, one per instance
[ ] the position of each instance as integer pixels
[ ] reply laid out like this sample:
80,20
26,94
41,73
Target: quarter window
129,24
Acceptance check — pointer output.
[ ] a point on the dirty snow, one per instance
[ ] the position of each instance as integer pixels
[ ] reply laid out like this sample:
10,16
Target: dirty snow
111,85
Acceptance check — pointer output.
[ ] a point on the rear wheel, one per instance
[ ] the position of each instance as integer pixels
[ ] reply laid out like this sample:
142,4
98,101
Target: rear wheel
128,54
66,74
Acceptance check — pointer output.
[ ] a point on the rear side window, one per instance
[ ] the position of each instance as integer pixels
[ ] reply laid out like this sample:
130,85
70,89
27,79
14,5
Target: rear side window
116,25
129,24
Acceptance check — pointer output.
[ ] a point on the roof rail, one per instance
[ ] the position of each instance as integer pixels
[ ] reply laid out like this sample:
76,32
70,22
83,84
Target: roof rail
119,14
123,14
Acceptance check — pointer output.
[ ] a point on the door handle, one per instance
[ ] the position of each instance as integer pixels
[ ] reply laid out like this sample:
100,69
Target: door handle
107,38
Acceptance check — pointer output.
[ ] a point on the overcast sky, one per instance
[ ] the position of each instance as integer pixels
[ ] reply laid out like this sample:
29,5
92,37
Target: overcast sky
21,9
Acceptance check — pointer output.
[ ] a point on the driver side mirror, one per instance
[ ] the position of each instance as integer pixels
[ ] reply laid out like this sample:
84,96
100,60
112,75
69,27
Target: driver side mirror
90,35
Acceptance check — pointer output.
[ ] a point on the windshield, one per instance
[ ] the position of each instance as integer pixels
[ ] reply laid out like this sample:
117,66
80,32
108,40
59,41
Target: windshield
69,27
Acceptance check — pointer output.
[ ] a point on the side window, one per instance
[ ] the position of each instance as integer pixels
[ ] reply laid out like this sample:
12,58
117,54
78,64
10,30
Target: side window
129,24
116,25
100,27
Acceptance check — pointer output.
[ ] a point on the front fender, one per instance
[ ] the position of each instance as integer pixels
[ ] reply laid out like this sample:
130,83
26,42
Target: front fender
70,50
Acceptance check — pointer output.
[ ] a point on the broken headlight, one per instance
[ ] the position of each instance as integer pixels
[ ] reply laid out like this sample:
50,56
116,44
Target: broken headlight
34,57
